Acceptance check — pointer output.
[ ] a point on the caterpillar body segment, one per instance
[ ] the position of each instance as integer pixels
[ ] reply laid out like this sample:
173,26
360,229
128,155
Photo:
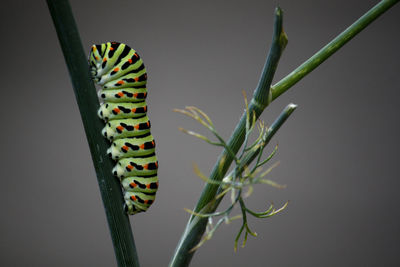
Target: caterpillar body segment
134,75
137,202
127,167
113,111
129,80
126,128
123,95
132,147
120,72
145,184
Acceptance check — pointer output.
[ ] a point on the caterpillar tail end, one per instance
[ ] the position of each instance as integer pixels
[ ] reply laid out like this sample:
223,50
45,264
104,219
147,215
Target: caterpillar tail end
130,209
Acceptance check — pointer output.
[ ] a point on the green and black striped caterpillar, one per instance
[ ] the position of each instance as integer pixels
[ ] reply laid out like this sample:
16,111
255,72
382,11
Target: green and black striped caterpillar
120,72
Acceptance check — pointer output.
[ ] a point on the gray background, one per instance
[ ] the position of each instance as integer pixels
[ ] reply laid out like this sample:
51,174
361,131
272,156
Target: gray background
338,151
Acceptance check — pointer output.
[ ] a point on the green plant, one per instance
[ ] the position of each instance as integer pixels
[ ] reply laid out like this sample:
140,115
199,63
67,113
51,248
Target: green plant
242,177
85,92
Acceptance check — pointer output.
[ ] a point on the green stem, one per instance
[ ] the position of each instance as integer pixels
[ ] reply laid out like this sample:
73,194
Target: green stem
195,229
329,49
86,96
261,99
248,158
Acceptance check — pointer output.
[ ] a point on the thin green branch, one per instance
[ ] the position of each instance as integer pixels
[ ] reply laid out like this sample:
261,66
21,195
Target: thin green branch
259,214
329,49
275,126
88,103
259,164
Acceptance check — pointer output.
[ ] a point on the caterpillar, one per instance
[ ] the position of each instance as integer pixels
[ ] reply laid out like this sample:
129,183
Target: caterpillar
120,72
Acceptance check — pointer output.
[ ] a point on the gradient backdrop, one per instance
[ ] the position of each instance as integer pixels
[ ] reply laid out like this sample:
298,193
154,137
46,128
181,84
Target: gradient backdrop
338,151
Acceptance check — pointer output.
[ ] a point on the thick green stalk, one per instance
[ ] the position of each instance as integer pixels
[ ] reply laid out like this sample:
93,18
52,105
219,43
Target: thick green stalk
329,49
260,100
194,231
86,96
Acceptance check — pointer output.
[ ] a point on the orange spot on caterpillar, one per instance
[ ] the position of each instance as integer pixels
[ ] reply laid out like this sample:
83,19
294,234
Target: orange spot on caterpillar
117,110
148,124
130,61
104,59
142,146
146,166
120,82
135,95
133,185
120,94
133,198
94,48
136,55
111,48
148,186
144,94
156,163
96,57
125,148
137,126
116,69
152,142
146,201
133,110
145,108
120,128
136,79
130,167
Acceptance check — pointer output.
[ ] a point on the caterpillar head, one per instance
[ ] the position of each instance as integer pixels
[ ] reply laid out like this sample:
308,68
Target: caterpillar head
95,56
95,60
